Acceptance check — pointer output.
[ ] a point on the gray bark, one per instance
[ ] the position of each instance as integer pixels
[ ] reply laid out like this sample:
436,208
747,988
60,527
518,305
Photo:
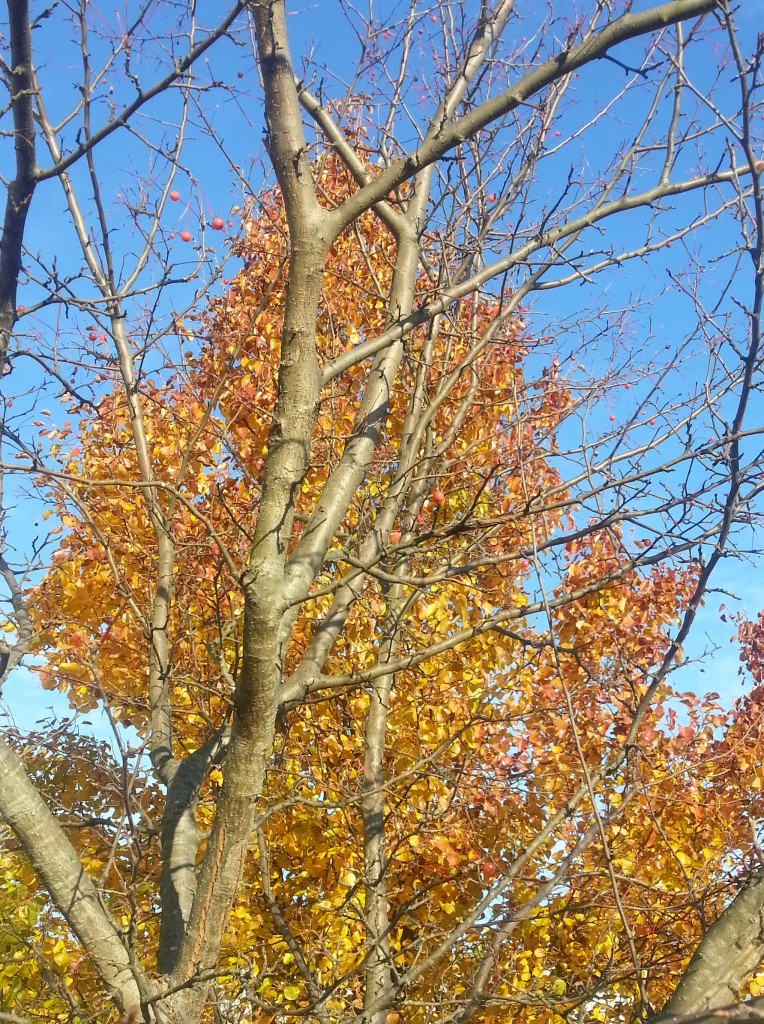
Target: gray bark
728,955
181,838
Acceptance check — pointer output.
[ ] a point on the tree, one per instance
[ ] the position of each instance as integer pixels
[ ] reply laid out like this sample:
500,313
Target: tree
380,568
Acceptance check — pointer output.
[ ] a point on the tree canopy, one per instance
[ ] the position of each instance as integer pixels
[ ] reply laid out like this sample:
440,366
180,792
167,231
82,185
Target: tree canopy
380,566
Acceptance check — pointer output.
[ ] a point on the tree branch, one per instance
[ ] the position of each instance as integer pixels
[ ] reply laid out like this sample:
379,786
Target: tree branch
62,874
630,26
729,953
22,187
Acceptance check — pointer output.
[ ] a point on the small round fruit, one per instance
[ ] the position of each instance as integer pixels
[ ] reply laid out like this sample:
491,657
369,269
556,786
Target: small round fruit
395,536
652,423
490,198
217,223
175,196
185,236
91,336
438,497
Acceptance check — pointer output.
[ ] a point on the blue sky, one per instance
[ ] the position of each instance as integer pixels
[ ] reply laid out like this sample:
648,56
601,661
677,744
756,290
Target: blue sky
208,188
